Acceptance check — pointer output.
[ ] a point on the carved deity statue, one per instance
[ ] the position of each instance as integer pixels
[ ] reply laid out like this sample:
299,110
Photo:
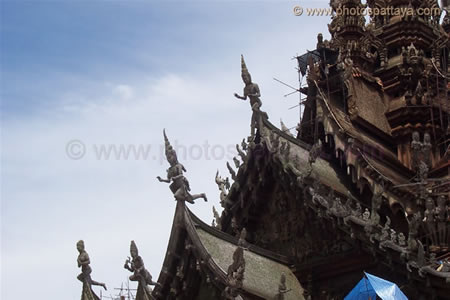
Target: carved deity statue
282,288
83,263
180,185
251,90
136,265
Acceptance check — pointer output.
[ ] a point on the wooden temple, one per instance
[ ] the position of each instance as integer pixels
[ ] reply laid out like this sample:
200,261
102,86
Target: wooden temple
363,185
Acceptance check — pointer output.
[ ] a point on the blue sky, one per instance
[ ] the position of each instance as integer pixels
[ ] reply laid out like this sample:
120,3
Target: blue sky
117,73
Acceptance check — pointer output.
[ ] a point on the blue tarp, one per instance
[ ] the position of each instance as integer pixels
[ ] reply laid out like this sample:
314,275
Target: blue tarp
362,291
371,286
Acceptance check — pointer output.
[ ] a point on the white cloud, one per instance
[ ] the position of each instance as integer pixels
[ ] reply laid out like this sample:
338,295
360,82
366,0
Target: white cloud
124,91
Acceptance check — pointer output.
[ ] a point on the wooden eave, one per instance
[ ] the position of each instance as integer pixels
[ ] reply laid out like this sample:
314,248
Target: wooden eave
185,226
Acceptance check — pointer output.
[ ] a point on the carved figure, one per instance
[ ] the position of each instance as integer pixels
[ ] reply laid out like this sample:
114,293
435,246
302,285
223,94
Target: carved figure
284,128
393,236
413,225
366,215
401,239
235,275
217,219
412,71
377,199
273,144
416,147
237,163
136,265
386,230
441,217
251,90
224,185
429,219
242,238
315,152
426,150
282,288
232,172
234,226
241,154
180,185
422,173
244,145
320,43
358,210
83,263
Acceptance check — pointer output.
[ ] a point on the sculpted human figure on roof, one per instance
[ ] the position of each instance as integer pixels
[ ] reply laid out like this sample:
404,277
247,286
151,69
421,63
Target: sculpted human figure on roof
251,90
136,265
83,263
180,185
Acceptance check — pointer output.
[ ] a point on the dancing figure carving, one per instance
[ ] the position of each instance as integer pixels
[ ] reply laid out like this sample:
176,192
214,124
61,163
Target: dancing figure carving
179,185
